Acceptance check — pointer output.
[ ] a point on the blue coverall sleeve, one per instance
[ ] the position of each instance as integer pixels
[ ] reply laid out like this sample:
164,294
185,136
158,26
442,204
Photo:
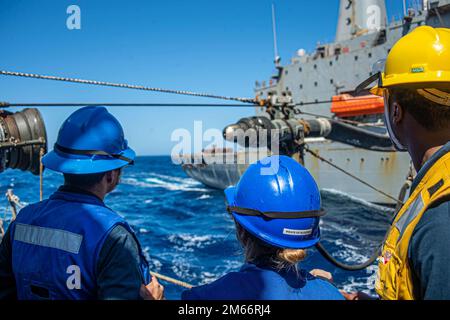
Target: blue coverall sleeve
7,281
118,273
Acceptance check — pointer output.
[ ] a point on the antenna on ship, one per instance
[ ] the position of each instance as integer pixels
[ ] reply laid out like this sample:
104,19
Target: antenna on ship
275,45
425,5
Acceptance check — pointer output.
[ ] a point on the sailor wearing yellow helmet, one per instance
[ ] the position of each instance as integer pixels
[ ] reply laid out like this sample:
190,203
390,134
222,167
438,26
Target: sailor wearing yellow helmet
415,84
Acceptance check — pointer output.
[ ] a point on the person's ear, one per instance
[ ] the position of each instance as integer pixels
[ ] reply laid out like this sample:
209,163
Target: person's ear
118,175
109,176
397,113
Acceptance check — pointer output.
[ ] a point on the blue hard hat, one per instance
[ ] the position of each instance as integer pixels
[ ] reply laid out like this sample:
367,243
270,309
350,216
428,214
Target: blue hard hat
91,140
277,201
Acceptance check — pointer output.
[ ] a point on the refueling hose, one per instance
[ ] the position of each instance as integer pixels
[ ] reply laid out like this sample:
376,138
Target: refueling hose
347,267
358,267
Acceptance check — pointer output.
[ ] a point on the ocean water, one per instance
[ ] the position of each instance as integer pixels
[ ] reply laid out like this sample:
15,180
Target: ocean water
187,234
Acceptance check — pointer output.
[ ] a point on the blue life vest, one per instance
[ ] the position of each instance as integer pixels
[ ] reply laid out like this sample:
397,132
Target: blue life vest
264,283
56,245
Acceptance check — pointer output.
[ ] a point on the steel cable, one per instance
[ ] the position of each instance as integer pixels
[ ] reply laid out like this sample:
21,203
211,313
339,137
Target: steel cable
108,104
123,85
352,175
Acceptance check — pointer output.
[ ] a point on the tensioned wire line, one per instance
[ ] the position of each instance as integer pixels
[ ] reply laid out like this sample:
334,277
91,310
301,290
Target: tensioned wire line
154,89
108,104
123,85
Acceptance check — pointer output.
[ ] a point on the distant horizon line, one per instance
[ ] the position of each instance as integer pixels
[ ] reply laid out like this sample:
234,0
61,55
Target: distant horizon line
153,155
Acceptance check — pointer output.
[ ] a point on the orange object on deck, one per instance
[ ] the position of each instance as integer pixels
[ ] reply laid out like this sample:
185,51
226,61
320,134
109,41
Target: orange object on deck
346,105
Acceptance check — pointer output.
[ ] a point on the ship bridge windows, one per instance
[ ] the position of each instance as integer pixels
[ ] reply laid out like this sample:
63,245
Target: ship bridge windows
320,52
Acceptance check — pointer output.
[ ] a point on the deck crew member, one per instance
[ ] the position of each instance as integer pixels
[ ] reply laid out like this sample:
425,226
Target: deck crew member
277,217
72,246
416,88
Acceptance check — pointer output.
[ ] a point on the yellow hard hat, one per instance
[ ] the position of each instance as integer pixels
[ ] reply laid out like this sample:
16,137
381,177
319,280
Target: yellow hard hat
421,57
419,60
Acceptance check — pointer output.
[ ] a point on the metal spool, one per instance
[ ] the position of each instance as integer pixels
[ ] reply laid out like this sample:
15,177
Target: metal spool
22,135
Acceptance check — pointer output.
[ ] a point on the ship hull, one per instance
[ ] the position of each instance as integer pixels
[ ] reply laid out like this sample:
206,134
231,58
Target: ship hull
386,171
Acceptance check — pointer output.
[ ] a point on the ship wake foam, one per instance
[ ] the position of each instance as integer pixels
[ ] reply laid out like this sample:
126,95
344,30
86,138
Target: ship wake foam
357,200
176,184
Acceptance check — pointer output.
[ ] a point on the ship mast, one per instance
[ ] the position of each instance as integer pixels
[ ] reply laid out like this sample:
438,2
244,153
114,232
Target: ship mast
275,44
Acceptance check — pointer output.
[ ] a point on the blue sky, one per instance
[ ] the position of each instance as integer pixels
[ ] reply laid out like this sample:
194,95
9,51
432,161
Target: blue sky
213,46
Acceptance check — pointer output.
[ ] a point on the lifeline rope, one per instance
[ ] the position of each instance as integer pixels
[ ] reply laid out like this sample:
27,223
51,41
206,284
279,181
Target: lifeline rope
14,202
307,149
123,85
171,280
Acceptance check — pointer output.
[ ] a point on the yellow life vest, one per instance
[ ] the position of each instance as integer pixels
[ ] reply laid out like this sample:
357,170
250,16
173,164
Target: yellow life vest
394,279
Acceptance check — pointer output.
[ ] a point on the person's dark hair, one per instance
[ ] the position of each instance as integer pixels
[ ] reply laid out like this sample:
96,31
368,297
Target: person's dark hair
430,115
83,180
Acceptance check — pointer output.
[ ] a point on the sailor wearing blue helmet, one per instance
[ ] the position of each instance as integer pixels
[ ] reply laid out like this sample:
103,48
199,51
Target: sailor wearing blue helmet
277,217
72,246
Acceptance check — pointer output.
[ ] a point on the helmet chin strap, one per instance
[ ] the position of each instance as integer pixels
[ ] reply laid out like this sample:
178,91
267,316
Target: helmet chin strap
92,153
397,144
435,95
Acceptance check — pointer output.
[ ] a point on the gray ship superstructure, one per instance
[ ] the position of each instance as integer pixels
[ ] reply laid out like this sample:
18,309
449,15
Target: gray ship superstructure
310,81
363,38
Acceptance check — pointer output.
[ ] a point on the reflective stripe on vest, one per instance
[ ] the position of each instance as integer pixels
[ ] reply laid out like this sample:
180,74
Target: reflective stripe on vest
48,237
394,279
410,214
56,246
